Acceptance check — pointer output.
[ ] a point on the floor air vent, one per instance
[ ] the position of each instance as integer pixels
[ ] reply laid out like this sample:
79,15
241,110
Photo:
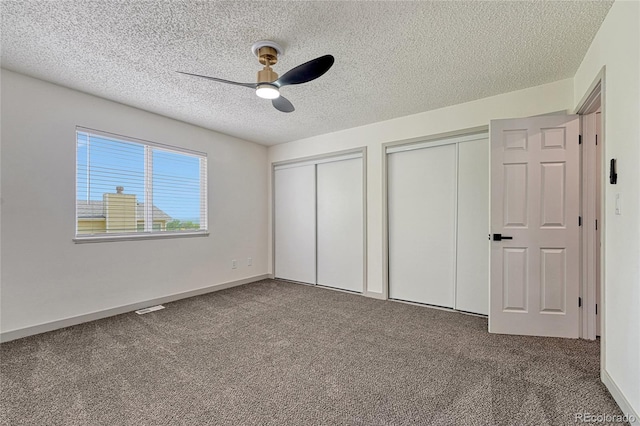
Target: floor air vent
147,310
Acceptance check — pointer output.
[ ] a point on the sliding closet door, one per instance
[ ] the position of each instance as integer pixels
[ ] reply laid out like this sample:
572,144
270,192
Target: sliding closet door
472,283
295,223
422,220
340,223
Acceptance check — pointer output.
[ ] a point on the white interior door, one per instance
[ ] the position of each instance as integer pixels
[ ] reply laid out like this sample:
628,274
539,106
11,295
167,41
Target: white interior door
340,224
295,223
422,224
535,192
472,276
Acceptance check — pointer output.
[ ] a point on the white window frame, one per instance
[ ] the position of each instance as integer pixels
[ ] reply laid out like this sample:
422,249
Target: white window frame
148,233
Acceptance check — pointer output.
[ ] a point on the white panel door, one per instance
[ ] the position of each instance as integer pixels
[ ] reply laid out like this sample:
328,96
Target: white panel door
535,193
472,277
295,223
422,218
340,224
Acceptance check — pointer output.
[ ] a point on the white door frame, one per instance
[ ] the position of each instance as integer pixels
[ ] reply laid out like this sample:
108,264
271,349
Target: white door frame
593,100
590,218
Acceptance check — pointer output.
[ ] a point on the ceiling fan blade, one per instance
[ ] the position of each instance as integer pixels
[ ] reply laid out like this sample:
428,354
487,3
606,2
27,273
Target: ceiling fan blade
306,72
220,80
282,104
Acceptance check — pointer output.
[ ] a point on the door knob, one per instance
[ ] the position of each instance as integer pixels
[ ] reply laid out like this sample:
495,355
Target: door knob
500,237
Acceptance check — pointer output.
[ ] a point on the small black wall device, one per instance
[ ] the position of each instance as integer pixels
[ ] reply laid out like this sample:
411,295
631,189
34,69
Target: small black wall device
613,176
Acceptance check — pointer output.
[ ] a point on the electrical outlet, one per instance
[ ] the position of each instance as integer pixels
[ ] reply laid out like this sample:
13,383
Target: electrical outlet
249,261
234,264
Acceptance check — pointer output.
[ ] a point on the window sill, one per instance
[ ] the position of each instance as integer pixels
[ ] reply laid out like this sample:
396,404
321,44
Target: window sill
135,237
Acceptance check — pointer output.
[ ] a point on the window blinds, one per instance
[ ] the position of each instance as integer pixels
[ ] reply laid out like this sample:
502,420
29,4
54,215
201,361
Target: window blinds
126,186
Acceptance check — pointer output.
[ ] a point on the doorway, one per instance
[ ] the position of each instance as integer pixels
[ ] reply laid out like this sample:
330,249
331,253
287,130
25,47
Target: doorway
592,195
586,283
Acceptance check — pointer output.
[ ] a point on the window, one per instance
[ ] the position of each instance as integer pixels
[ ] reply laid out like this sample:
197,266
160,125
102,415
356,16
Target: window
128,188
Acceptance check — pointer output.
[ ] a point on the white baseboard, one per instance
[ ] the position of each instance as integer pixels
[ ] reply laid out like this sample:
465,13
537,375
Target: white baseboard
67,322
375,295
617,394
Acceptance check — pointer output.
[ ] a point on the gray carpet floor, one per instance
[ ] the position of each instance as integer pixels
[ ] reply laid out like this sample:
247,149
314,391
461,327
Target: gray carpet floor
277,353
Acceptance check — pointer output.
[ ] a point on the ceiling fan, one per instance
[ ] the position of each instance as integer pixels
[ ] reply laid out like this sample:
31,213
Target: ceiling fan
269,84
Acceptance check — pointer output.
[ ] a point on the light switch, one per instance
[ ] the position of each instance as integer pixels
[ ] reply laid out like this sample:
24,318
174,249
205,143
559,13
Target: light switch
618,204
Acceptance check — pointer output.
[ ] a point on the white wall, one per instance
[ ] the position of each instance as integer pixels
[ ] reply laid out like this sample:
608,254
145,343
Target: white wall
552,97
616,47
45,276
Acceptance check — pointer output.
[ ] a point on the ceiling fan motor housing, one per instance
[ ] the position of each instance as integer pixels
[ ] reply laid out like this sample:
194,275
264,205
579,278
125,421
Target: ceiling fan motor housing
267,56
267,75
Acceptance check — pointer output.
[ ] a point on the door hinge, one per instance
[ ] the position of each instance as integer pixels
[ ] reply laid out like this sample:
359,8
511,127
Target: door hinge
596,224
579,220
579,302
596,309
596,139
579,139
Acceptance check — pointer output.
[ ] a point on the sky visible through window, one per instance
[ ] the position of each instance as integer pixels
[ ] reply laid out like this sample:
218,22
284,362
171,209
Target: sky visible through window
104,164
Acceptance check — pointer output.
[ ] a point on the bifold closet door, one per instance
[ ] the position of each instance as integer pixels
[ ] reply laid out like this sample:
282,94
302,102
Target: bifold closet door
472,279
340,224
295,223
422,224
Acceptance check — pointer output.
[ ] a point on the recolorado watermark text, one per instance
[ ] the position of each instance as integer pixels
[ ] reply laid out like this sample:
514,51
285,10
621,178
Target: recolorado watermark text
586,417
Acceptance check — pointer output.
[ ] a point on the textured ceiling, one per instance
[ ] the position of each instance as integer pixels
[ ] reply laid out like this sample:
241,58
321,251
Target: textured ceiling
392,58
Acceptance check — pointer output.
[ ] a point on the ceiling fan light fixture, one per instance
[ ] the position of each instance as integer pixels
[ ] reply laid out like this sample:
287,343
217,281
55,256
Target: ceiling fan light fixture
267,91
